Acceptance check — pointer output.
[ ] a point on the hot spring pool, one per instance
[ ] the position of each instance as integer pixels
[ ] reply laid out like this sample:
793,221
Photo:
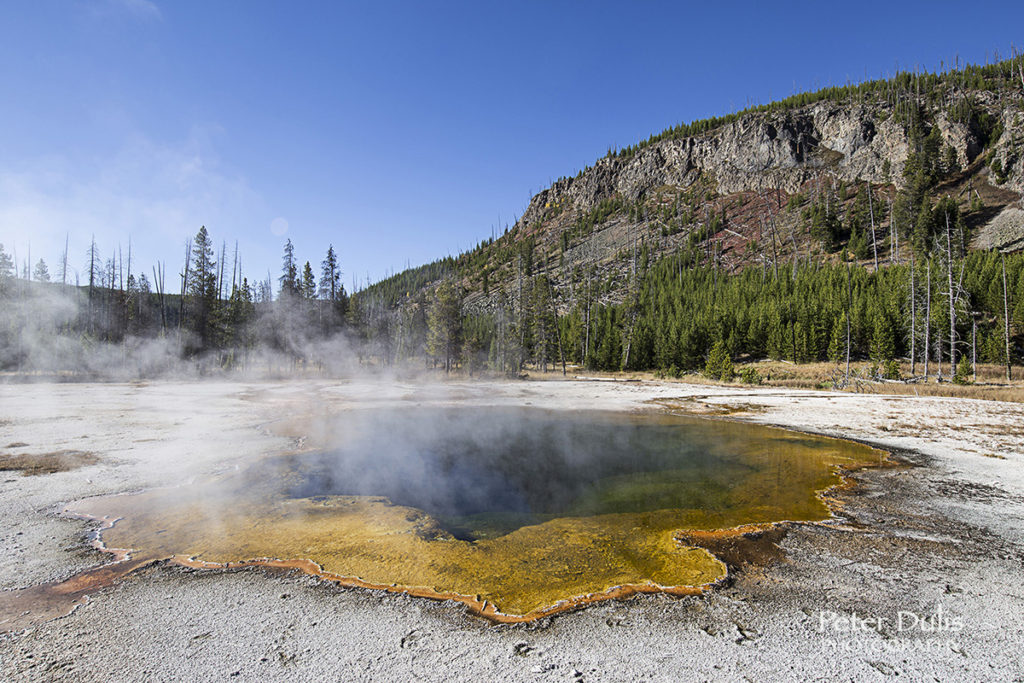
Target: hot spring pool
517,512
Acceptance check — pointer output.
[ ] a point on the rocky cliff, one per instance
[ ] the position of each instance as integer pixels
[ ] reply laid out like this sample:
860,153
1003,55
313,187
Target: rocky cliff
784,150
736,191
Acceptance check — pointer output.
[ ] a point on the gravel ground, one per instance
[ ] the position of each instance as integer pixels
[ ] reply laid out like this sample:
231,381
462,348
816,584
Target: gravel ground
920,576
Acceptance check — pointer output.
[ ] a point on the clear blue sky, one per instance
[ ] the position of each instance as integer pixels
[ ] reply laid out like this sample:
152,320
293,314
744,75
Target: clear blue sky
399,132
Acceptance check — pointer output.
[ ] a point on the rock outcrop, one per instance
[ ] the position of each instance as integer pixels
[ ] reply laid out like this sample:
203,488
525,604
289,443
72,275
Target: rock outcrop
775,149
1004,232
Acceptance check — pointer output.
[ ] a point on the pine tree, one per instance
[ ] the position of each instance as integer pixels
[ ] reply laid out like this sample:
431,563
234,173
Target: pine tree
444,325
837,342
6,269
963,371
289,280
41,273
950,161
330,276
307,287
824,223
883,339
719,365
333,292
542,324
202,290
776,331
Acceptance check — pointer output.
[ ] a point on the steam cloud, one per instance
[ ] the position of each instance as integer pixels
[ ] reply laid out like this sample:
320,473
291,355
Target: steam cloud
51,331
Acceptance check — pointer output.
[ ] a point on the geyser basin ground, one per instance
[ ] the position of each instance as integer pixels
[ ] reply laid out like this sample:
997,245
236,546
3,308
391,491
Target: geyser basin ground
519,512
947,532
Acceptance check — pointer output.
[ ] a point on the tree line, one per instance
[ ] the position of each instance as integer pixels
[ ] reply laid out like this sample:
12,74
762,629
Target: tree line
216,314
923,298
942,306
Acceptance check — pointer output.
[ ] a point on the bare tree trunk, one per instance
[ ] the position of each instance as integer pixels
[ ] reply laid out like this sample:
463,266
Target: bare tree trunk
913,318
871,211
92,278
771,217
952,300
64,262
220,270
896,237
760,244
974,349
927,319
894,242
234,274
522,326
558,332
158,281
849,306
632,321
586,338
796,252
707,236
184,286
129,277
1006,314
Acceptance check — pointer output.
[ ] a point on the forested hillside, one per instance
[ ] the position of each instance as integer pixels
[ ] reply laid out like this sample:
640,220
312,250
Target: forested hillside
877,221
882,205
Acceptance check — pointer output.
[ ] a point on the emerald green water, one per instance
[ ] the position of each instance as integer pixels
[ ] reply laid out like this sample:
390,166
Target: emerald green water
485,472
520,510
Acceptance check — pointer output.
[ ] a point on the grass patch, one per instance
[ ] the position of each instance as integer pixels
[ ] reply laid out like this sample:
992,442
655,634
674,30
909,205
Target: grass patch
46,463
991,384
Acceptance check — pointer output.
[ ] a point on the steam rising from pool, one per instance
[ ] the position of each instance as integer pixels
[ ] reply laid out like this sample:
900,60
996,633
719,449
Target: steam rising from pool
517,512
486,472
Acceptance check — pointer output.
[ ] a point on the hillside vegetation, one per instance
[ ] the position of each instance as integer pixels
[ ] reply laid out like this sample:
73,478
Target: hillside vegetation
878,223
880,206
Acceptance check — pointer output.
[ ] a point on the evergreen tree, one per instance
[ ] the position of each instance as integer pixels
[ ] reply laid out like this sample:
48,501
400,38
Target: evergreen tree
240,314
202,290
837,341
719,365
883,341
289,280
330,276
6,264
950,161
963,370
444,325
824,223
308,285
477,334
542,322
41,273
6,272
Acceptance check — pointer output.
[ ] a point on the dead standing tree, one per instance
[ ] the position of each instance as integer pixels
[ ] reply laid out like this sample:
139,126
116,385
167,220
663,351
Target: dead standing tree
632,298
554,317
1006,305
871,213
771,219
158,282
913,317
184,286
927,318
953,294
